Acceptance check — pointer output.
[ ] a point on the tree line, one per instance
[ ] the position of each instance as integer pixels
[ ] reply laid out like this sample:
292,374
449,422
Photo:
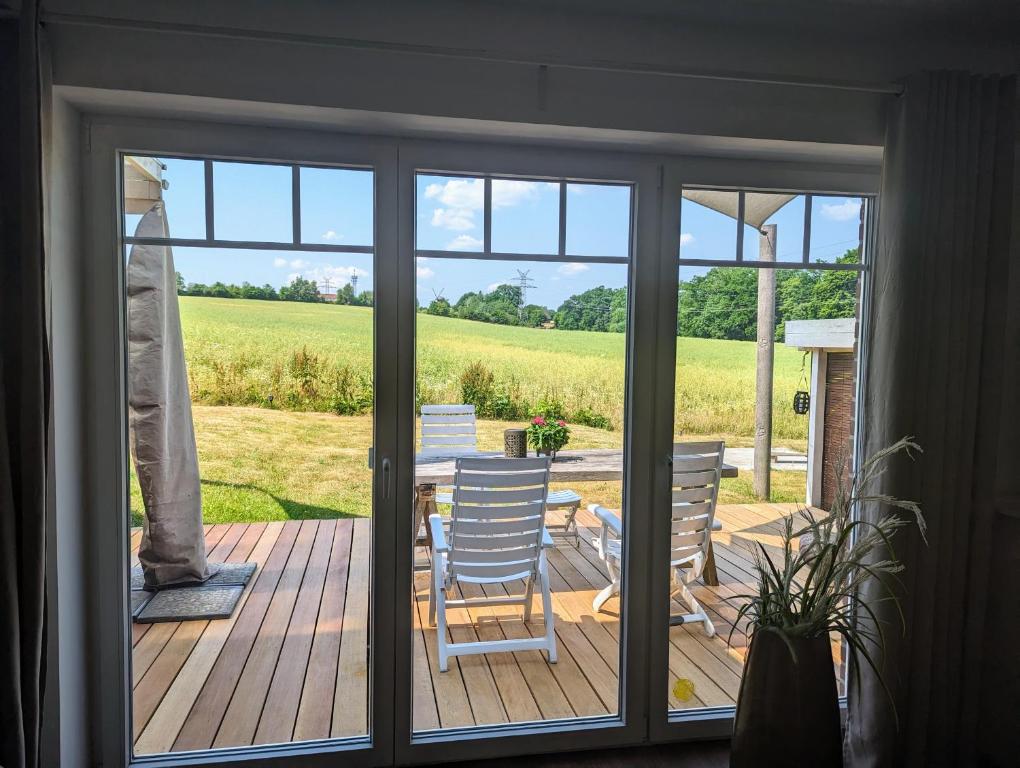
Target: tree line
299,289
721,304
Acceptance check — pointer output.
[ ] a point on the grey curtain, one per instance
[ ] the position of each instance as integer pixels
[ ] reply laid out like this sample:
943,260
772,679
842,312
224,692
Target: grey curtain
936,371
172,550
24,392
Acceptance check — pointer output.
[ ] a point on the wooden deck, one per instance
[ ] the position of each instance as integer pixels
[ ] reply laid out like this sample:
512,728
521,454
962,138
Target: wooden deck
291,663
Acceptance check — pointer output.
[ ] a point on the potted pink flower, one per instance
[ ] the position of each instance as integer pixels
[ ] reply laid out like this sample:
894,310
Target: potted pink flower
547,436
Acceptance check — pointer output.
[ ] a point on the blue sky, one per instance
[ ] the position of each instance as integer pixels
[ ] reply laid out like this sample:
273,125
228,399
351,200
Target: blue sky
253,202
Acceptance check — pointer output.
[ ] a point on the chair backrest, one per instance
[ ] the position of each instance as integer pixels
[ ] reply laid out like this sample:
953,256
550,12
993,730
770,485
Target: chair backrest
697,469
498,518
448,430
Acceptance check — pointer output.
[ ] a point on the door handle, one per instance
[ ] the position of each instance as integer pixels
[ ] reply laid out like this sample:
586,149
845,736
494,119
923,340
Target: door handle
386,477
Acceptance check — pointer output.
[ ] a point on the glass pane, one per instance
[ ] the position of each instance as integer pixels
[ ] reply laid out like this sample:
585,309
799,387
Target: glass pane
809,351
598,220
786,214
708,232
837,228
336,206
525,216
180,184
499,345
275,420
252,202
449,213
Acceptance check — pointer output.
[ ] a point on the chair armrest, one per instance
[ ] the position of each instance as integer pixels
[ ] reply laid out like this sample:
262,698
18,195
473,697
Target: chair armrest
716,524
547,540
608,518
438,534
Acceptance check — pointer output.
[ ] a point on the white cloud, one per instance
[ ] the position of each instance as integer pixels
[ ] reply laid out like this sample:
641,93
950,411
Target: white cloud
492,286
464,243
848,209
460,198
457,219
338,275
278,262
686,238
299,264
572,268
423,272
330,234
458,193
577,189
510,192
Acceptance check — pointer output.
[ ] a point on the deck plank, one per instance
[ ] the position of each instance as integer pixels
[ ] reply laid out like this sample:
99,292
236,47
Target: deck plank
154,684
206,715
242,716
168,719
292,663
315,712
350,702
279,714
452,703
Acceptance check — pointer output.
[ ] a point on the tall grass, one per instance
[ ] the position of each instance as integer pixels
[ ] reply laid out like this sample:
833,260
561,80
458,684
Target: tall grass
318,357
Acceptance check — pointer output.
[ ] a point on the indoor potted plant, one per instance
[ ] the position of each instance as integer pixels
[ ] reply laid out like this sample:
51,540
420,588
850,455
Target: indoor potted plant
547,435
787,708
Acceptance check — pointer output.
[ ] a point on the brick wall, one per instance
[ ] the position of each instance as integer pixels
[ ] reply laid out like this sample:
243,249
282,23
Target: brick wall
839,419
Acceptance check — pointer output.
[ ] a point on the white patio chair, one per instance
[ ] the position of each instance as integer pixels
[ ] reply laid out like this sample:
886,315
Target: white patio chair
496,536
697,470
449,431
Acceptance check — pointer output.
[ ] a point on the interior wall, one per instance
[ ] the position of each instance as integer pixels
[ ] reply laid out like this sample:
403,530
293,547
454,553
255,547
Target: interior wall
383,56
68,728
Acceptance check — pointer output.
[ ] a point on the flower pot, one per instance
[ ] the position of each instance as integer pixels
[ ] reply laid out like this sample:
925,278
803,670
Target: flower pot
551,452
787,709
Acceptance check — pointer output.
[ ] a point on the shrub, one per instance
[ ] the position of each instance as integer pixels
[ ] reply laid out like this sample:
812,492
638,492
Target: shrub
550,407
591,418
350,393
478,387
304,368
508,404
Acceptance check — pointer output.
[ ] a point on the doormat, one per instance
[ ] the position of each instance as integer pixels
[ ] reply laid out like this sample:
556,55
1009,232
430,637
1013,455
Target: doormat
190,604
215,598
228,575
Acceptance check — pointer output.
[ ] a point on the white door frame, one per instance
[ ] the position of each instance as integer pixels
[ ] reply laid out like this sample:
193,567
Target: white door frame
629,727
106,430
651,346
715,722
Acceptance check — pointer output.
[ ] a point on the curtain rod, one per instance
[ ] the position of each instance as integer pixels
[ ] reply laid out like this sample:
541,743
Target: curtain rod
474,54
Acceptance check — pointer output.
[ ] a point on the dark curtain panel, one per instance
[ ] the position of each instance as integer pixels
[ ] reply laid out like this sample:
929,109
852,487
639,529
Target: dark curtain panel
24,393
939,307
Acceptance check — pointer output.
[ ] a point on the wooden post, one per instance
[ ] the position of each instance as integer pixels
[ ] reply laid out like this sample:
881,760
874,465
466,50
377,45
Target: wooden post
763,383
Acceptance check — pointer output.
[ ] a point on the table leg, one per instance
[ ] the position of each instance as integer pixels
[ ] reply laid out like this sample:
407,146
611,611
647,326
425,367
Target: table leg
424,505
709,574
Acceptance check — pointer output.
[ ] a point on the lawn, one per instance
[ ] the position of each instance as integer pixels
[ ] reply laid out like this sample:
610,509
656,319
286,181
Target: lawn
318,357
262,464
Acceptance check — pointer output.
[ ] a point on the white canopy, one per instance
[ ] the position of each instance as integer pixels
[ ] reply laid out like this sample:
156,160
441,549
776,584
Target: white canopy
758,206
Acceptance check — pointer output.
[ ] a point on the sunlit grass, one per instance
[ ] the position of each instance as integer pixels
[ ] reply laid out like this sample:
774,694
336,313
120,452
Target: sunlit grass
238,352
259,464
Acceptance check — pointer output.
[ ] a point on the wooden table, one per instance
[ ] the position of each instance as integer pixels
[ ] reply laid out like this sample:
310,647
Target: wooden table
577,466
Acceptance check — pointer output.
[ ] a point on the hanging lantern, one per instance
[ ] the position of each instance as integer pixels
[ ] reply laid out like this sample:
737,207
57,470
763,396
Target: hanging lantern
801,402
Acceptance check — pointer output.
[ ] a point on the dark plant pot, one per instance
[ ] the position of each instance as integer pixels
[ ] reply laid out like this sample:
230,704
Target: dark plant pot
546,452
787,710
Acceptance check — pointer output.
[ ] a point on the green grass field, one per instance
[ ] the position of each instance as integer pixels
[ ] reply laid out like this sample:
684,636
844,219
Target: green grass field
317,357
259,464
270,381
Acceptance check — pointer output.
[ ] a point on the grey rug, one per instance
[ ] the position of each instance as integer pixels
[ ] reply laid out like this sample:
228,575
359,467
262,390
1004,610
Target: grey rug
215,598
190,604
